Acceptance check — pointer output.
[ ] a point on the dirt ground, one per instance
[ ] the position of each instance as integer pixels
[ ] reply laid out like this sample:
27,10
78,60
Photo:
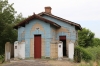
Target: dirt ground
42,62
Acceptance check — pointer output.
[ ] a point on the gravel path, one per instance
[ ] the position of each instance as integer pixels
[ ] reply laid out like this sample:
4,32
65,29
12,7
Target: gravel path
40,62
27,63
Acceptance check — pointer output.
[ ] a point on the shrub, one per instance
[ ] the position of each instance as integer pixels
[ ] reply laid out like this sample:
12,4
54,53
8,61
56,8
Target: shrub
95,52
77,55
87,54
81,53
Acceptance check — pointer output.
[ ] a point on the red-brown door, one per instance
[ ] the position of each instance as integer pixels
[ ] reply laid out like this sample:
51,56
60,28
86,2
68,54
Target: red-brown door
37,46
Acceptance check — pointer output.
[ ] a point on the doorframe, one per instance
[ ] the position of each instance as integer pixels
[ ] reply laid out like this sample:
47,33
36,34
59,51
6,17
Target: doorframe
66,43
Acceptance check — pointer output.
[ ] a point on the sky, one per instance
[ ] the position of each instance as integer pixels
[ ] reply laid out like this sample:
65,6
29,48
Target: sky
84,12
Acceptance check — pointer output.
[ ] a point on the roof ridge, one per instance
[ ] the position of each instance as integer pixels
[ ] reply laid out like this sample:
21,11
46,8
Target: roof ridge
59,18
55,16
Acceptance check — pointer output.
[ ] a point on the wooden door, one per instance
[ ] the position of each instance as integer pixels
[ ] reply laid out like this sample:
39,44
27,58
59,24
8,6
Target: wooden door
37,46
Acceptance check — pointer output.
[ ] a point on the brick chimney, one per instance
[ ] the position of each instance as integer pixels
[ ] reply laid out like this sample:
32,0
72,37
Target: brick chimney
48,9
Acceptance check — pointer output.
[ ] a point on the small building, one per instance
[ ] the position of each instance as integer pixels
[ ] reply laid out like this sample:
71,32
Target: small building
42,33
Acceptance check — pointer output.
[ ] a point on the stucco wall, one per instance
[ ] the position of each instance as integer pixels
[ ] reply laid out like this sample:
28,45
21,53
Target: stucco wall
53,33
48,33
21,34
54,50
31,30
65,30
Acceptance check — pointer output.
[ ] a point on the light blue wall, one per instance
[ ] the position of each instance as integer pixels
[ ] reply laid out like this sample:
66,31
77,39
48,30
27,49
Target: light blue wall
20,31
48,33
46,36
53,34
71,28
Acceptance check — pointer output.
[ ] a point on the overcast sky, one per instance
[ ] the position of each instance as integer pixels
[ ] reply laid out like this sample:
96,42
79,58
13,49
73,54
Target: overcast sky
84,12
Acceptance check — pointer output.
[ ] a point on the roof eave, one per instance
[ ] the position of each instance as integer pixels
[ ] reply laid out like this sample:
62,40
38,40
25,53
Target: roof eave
37,17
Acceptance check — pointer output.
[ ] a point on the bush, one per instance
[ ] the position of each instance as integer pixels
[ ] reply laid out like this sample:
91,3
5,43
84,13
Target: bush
1,59
85,55
77,55
89,53
95,52
81,53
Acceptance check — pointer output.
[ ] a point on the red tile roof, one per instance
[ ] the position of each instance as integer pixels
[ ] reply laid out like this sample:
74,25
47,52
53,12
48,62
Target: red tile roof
64,20
37,17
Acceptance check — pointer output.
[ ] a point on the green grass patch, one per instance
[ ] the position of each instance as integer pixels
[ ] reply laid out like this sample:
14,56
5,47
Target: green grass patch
1,59
90,63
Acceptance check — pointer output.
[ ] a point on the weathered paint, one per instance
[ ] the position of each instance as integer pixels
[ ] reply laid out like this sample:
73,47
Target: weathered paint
53,50
21,50
66,29
16,49
32,47
53,33
21,34
43,47
7,51
48,33
71,50
31,29
60,50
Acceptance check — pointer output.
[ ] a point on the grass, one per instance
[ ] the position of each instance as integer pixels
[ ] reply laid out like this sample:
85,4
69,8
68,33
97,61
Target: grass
86,64
1,59
91,63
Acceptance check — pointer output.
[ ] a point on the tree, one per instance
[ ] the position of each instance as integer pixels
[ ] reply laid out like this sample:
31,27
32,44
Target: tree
6,18
19,18
96,42
85,37
7,21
